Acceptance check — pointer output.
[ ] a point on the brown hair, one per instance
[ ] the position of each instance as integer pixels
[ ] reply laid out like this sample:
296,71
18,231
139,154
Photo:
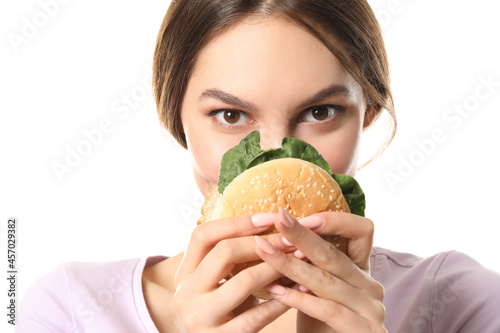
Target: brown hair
190,24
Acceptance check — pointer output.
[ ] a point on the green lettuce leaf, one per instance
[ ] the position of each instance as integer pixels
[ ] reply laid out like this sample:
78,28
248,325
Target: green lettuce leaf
236,159
352,192
248,154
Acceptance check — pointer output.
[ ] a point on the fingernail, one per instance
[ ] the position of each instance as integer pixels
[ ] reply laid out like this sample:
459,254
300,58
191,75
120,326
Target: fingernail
265,245
312,222
276,290
299,255
286,241
263,219
304,289
286,219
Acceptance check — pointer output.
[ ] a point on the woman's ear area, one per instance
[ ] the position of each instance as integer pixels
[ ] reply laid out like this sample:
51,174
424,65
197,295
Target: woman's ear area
370,115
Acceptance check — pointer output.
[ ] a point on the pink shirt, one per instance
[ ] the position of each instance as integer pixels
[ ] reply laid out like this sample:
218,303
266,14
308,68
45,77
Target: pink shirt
448,292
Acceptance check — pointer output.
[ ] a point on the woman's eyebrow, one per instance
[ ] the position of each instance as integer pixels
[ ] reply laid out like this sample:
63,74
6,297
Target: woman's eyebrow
227,98
331,91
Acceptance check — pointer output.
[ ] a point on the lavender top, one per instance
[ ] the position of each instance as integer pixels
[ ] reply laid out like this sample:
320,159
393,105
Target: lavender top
448,292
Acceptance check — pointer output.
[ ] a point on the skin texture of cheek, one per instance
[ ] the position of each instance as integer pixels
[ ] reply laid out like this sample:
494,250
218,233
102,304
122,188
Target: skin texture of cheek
205,158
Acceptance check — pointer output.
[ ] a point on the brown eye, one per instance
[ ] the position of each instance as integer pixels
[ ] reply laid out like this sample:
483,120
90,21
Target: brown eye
321,113
231,117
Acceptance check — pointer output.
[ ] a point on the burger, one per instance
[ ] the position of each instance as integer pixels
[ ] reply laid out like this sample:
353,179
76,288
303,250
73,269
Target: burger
294,177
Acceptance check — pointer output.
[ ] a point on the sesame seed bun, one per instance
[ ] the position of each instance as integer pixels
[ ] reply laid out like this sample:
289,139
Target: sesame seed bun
298,186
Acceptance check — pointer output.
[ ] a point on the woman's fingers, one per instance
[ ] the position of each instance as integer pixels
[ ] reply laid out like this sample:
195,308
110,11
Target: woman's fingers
326,256
206,235
257,318
334,314
236,290
359,230
221,260
322,283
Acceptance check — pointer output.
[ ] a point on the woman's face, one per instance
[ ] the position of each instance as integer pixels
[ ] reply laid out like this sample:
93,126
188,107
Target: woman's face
269,75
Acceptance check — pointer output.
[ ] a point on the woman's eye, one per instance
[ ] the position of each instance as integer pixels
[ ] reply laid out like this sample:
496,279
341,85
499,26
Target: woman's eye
320,113
231,117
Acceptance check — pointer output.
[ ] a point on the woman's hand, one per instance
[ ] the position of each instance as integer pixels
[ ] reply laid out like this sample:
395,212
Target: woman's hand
201,303
336,292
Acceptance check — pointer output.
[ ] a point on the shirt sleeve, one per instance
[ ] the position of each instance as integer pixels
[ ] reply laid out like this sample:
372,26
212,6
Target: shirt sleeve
45,307
466,296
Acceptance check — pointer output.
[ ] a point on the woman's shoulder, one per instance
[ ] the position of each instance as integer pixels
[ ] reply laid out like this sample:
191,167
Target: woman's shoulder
389,265
449,291
78,296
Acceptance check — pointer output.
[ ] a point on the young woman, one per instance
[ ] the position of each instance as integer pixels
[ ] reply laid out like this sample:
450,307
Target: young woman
314,70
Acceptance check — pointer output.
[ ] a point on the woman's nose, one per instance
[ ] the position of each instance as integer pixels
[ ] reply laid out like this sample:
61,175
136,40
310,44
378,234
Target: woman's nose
271,136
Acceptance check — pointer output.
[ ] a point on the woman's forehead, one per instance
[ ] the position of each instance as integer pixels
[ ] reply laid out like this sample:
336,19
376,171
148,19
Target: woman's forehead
266,58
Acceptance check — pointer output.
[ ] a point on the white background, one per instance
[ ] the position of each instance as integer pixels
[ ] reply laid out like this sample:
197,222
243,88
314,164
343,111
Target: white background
133,194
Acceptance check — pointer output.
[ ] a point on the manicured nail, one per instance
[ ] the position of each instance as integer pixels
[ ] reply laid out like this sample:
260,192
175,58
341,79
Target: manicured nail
286,219
286,241
276,290
299,255
263,219
312,222
265,245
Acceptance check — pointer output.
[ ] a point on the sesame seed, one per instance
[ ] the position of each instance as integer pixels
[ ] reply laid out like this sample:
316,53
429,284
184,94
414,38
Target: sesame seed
252,183
318,193
289,196
259,182
251,207
337,245
303,194
331,198
262,207
310,205
315,184
281,182
243,191
333,191
278,179
287,206
308,185
265,185
273,205
322,186
281,191
309,179
293,193
256,177
279,198
322,195
265,201
265,175
338,206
